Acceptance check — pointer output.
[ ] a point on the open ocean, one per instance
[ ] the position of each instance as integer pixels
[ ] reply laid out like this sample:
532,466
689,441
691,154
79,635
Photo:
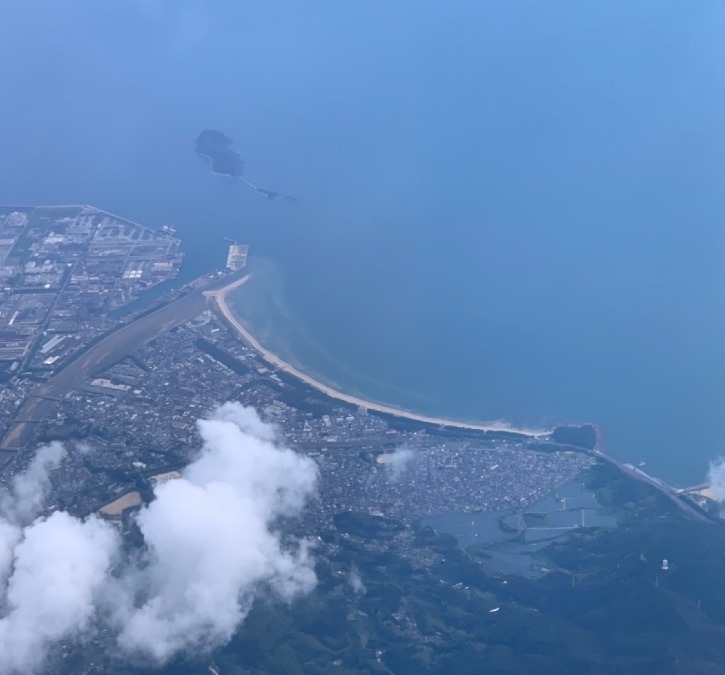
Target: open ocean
507,210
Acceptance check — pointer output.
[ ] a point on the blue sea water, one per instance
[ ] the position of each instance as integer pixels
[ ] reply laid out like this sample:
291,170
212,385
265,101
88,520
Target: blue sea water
508,210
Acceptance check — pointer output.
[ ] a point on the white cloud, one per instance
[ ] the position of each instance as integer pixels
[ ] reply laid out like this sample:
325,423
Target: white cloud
356,582
28,489
397,462
9,538
716,478
210,547
60,566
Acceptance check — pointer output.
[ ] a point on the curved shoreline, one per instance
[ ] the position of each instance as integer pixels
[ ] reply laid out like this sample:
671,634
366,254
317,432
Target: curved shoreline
218,297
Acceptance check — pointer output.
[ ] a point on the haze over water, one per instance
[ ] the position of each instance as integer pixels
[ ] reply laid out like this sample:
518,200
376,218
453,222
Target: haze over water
507,209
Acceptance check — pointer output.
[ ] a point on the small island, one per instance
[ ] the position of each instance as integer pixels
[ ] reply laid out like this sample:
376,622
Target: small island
217,147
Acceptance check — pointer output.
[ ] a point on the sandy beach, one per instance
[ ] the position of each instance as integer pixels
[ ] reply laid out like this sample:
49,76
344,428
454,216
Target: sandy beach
218,299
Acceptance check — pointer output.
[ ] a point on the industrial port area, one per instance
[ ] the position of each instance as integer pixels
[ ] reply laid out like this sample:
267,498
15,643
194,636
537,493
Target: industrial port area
62,271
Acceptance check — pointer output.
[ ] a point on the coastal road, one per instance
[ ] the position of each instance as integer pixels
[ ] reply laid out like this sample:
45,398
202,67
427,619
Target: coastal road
96,358
669,492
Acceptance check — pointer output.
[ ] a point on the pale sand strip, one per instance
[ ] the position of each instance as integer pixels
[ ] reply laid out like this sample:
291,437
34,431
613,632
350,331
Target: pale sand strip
115,508
219,299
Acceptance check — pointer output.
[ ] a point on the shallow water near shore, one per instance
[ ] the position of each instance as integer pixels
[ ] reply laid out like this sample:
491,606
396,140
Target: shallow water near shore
524,225
629,393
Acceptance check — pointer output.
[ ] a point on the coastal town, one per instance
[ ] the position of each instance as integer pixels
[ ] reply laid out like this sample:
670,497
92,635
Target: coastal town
129,422
136,421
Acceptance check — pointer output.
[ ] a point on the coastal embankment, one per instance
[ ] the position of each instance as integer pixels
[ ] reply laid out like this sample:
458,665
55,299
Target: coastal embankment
218,298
